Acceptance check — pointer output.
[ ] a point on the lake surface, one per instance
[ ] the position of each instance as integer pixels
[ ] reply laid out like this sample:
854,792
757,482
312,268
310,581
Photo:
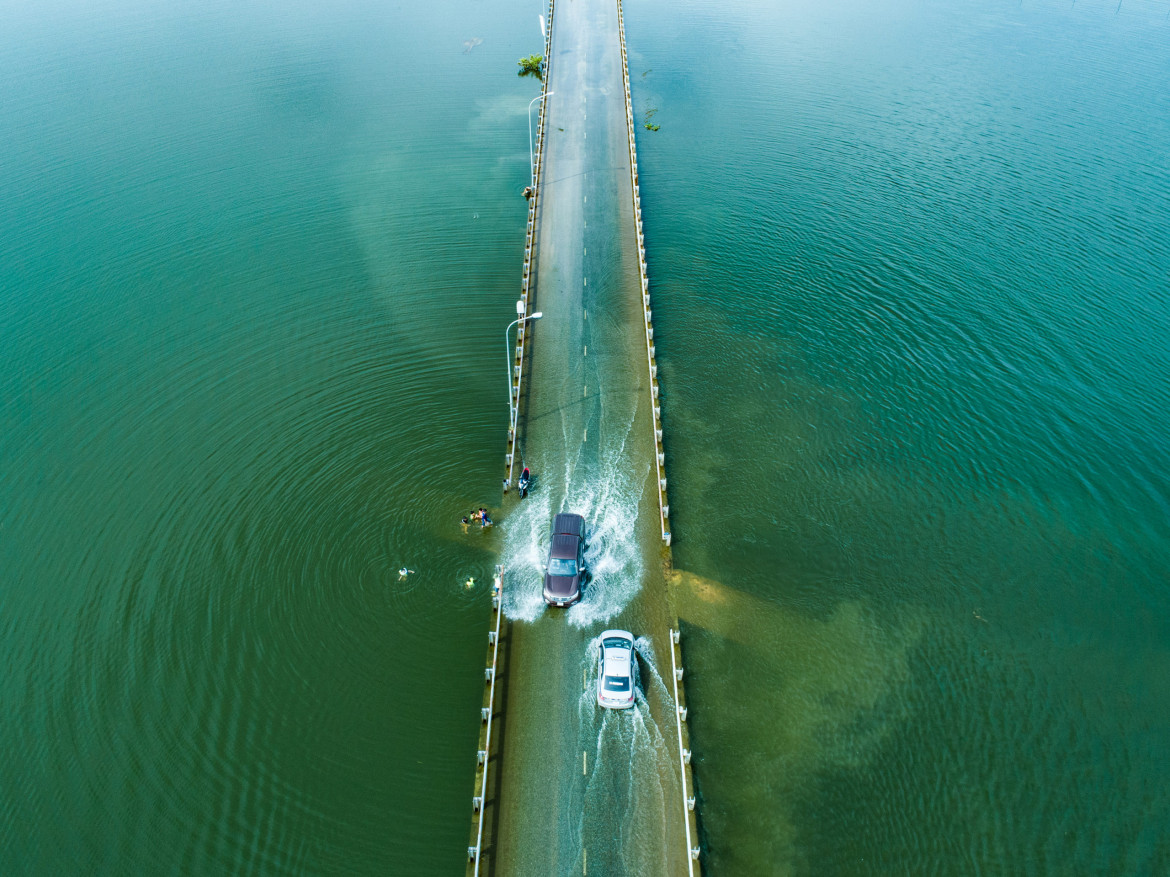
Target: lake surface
909,263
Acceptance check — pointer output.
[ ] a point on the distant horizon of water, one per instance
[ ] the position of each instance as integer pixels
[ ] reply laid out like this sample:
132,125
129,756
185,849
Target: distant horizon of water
908,264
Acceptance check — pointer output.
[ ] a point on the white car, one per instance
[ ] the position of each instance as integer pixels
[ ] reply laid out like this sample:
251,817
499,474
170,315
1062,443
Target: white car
615,670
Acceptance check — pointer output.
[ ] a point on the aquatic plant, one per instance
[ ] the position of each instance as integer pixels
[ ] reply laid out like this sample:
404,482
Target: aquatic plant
533,65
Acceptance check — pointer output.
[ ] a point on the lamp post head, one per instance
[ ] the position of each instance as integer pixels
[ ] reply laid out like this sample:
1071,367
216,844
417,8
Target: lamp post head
536,316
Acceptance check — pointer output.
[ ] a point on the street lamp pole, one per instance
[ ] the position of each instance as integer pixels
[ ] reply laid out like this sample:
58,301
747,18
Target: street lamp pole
531,154
512,405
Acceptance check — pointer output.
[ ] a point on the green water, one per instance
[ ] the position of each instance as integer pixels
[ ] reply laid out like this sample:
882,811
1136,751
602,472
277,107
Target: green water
256,265
911,267
909,263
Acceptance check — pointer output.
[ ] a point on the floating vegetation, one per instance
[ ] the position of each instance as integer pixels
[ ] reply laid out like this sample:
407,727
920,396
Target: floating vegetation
533,65
646,123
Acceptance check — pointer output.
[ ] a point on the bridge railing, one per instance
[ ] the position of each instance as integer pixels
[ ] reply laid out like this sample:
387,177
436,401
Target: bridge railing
527,282
643,276
487,714
690,819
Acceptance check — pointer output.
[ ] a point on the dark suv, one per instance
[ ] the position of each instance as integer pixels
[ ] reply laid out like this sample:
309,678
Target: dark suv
566,561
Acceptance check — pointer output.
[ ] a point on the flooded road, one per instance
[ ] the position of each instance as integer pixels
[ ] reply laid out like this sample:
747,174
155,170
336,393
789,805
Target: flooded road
582,788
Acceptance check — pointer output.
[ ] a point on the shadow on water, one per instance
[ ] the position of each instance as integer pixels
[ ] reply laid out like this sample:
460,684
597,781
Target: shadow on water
825,692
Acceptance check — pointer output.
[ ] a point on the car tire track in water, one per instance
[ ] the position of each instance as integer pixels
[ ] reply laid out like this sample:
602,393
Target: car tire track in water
630,755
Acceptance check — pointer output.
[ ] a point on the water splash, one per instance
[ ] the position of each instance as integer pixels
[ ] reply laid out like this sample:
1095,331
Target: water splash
609,499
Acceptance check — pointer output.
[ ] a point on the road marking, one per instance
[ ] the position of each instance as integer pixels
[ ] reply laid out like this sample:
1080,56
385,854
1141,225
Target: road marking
585,251
586,199
584,762
584,678
586,350
585,391
586,438
585,281
584,862
586,313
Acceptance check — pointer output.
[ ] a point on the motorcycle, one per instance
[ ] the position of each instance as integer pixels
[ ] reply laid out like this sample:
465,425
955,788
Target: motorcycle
525,480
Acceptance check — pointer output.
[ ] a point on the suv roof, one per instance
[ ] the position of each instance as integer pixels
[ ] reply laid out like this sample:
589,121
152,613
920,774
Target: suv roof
564,546
567,523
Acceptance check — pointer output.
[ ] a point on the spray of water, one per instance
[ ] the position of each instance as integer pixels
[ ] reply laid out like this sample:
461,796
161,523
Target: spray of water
608,494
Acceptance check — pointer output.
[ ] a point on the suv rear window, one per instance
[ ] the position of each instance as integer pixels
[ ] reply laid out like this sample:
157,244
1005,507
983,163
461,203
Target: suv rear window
616,683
